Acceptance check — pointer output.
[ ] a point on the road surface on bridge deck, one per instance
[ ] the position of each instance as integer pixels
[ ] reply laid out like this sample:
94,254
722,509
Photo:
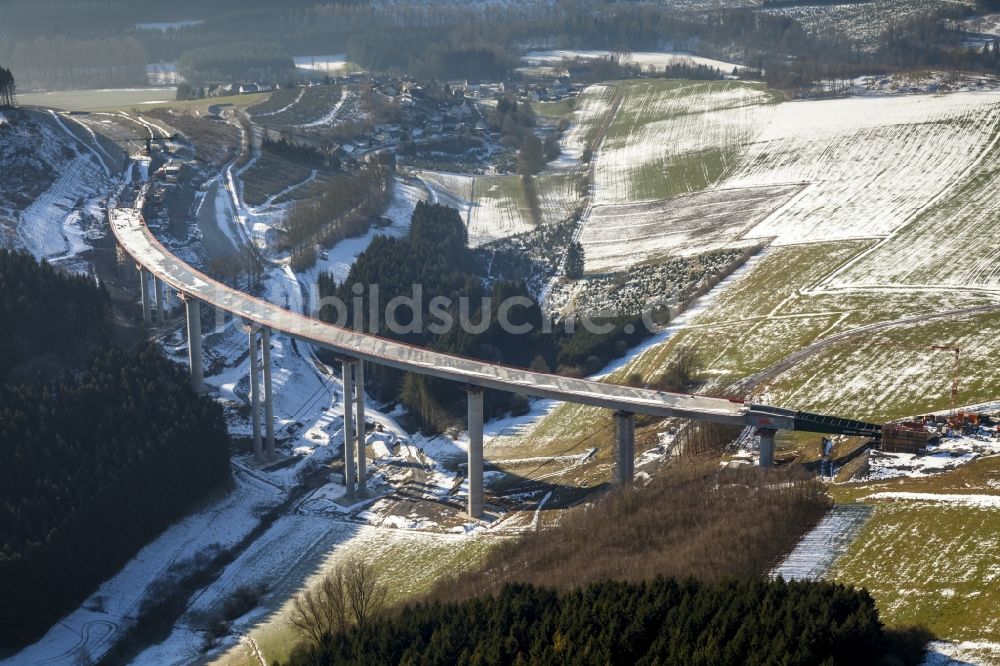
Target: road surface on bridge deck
135,237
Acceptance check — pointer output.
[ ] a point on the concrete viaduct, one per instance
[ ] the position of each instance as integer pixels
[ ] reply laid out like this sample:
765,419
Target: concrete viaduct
158,267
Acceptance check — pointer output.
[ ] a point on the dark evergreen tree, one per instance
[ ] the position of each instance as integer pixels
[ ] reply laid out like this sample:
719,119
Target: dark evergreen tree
7,88
575,260
663,621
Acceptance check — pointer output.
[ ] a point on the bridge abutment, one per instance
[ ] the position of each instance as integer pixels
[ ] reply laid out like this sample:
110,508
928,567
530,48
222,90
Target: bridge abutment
475,399
624,447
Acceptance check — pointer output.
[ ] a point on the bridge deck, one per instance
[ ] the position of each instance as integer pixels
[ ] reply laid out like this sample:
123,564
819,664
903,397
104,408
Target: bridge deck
133,234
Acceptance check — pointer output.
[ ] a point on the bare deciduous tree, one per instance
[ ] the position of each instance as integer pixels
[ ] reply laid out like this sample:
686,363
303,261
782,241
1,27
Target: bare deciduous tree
365,594
350,594
683,371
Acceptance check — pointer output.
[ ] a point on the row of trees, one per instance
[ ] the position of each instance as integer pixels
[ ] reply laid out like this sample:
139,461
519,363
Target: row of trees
343,210
96,457
8,87
662,621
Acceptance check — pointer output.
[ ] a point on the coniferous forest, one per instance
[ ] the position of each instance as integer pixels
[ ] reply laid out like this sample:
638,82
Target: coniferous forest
99,451
662,621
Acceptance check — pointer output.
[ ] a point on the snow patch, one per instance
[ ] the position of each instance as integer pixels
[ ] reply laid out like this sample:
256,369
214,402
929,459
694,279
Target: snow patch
976,501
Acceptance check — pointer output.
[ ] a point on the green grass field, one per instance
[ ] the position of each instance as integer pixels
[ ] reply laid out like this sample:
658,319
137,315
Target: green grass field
667,138
94,100
930,564
559,109
409,563
139,99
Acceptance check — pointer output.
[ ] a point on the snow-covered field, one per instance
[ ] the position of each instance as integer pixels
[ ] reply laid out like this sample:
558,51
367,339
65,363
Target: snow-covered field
869,164
945,246
92,629
56,222
962,653
493,206
859,167
978,501
671,138
644,59
174,25
620,235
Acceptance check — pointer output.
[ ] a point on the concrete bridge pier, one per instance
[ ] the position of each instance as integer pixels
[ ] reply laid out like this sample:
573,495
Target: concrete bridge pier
265,341
359,387
624,447
147,314
347,371
766,436
192,308
161,299
475,398
255,393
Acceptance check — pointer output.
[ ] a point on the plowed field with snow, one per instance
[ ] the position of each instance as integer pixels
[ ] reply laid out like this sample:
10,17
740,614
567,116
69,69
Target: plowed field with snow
686,165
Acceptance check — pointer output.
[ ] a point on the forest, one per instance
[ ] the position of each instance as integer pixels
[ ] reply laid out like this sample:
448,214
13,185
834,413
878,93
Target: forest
99,450
447,40
237,61
661,621
49,321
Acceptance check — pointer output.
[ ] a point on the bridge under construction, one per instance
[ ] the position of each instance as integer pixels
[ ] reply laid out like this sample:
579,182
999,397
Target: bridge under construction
159,268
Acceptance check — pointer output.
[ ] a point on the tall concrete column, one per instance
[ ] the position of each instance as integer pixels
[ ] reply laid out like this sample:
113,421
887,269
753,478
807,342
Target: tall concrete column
475,397
624,447
265,341
144,293
359,386
255,394
195,360
766,436
161,299
347,368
